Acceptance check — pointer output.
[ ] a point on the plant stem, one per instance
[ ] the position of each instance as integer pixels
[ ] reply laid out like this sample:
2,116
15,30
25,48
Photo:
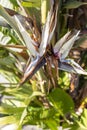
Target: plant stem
43,11
41,80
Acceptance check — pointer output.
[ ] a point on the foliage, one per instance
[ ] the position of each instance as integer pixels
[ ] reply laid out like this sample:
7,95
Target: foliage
33,52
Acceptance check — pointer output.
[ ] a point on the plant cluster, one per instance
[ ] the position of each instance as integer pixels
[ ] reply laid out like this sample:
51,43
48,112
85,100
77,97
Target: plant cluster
43,55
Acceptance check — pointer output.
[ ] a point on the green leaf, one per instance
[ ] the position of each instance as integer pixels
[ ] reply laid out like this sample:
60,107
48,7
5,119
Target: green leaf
76,127
4,39
52,124
14,2
31,4
74,4
23,115
61,100
8,120
31,1
80,123
11,110
7,61
48,113
36,93
83,121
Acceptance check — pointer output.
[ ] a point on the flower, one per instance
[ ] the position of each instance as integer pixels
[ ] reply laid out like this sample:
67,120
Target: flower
60,50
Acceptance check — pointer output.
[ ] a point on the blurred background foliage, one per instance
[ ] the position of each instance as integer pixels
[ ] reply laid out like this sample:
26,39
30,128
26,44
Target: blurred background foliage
39,101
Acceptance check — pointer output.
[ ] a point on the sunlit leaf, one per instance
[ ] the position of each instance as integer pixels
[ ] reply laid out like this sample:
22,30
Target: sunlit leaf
8,120
23,115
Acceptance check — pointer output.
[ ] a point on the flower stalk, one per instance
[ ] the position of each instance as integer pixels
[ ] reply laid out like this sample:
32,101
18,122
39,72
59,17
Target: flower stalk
43,11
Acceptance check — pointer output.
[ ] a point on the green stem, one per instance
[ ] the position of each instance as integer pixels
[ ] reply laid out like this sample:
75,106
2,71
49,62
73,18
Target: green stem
43,11
41,80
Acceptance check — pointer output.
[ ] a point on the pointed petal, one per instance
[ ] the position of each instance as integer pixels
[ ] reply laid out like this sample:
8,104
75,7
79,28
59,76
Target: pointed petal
60,43
31,65
45,35
71,66
48,29
53,22
77,67
64,51
28,41
34,66
66,67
